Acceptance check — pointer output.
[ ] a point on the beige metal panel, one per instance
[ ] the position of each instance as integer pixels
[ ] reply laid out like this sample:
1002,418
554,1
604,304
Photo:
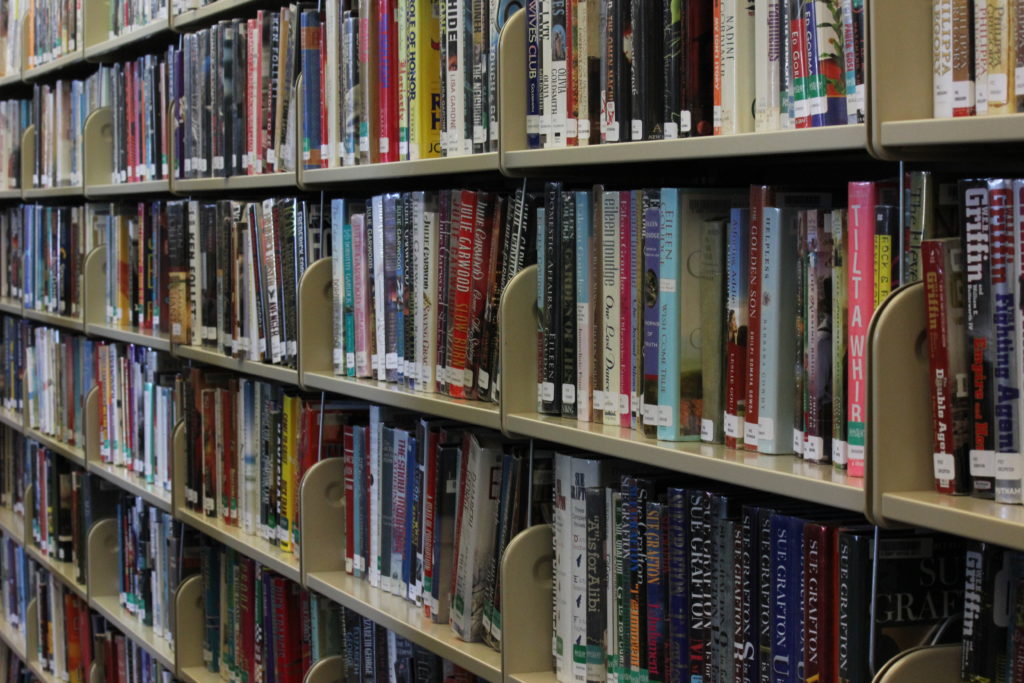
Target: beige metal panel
75,454
321,517
106,49
327,670
936,664
52,67
28,155
512,86
196,18
326,178
526,590
10,305
68,323
275,373
516,311
120,190
189,624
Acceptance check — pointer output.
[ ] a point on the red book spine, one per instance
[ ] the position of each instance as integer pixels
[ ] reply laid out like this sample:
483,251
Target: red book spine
943,383
350,510
481,259
306,660
860,271
246,596
137,315
572,105
761,197
253,95
83,629
625,309
122,657
820,595
462,286
387,86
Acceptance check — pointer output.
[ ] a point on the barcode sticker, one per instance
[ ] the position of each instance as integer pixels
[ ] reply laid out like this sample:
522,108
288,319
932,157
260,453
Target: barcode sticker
547,391
611,404
385,144
611,131
1008,467
751,432
650,414
350,360
636,129
623,404
467,378
483,380
732,426
582,129
707,430
983,463
1018,81
667,284
684,121
945,466
338,355
766,428
997,88
814,448
671,130
798,441
665,414
568,393
598,399
391,361
838,452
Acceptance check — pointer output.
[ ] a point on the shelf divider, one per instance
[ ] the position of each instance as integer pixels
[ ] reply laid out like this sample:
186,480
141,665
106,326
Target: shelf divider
516,308
526,602
935,663
28,156
102,559
189,625
322,498
98,140
512,88
327,670
94,287
316,332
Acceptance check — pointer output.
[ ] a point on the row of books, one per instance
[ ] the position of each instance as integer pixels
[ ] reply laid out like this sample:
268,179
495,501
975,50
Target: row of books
124,660
153,557
616,72
63,641
12,353
128,15
12,30
136,241
417,279
430,507
15,582
14,118
711,300
976,57
138,100
14,471
58,516
59,110
53,243
250,442
398,80
140,402
13,669
972,299
670,581
12,257
59,372
233,94
52,29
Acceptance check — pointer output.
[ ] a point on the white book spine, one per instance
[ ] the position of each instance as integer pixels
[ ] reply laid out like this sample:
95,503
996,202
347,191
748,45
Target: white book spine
981,47
338,283
331,145
429,300
767,58
561,613
585,350
378,285
419,293
546,94
374,495
610,297
586,472
737,67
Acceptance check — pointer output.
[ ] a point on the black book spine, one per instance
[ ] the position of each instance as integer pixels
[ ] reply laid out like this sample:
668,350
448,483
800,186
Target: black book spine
697,71
500,244
983,654
208,227
671,68
618,82
224,267
286,209
567,308
854,572
444,223
550,316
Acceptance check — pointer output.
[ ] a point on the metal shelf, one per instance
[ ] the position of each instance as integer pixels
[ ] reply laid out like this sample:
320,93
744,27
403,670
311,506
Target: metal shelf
157,340
977,518
119,190
133,484
271,557
390,394
421,168
13,194
64,571
129,624
195,18
407,620
71,59
127,40
12,420
11,79
75,454
62,192
14,639
14,526
238,183
274,373
68,323
10,305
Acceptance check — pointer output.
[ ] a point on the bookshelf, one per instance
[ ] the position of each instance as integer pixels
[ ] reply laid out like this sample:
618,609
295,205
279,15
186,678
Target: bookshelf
898,488
63,571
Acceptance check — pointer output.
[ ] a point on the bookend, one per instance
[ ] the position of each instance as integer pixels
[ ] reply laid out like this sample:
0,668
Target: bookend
179,457
321,506
518,308
937,664
32,634
316,331
96,674
189,625
91,449
327,670
511,87
899,454
98,141
525,599
28,148
94,295
102,560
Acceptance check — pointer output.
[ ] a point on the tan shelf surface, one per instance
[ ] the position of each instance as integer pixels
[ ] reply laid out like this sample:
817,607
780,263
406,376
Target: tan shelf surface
127,39
845,138
12,420
14,194
271,557
276,373
54,65
198,674
406,620
14,638
128,623
469,163
117,190
265,181
53,192
13,525
64,571
10,79
535,677
68,323
73,453
133,484
10,305
192,17
785,475
965,130
968,516
479,413
155,340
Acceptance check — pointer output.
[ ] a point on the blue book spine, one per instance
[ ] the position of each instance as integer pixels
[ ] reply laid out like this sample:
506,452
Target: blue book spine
699,577
584,307
349,307
358,499
656,625
411,474
533,74
309,24
746,635
668,316
676,549
778,334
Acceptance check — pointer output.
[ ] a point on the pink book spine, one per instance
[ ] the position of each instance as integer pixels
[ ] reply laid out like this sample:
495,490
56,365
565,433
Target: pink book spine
360,294
625,320
860,288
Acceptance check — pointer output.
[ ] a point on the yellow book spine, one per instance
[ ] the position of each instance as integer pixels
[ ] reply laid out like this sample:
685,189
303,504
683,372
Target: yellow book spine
286,520
426,103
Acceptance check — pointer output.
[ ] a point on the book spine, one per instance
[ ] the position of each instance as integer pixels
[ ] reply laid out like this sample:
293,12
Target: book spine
760,199
670,243
853,61
767,59
699,582
387,98
596,584
860,290
712,304
586,285
963,59
650,293
534,74
610,295
568,327
627,309
462,293
676,552
309,31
